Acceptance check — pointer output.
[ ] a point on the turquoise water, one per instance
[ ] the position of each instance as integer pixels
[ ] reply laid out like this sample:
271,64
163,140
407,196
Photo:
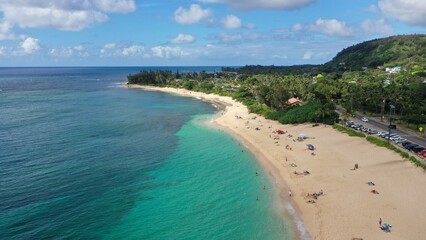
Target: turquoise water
81,158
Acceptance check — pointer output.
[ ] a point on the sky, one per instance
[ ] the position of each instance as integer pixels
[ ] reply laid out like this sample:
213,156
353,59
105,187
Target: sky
195,32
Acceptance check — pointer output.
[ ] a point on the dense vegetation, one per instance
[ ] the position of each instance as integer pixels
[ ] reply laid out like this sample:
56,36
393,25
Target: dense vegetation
405,50
357,85
285,70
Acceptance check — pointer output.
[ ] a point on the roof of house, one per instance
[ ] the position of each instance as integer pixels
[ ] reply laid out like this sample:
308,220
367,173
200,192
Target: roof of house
294,100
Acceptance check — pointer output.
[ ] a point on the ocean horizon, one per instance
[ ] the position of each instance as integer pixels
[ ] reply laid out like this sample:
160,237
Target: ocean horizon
82,158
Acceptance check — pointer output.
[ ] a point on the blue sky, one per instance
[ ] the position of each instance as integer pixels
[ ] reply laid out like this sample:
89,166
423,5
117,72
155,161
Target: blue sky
198,32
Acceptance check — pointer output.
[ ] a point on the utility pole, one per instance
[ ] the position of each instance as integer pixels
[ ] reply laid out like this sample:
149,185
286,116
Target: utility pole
392,108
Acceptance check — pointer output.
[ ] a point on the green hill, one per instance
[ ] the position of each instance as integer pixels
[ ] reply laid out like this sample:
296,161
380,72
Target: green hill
408,51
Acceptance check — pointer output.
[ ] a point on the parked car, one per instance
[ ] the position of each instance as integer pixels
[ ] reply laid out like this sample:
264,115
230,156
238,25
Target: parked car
364,129
411,146
349,123
372,131
401,140
395,138
387,136
417,149
381,134
364,119
422,152
406,143
359,127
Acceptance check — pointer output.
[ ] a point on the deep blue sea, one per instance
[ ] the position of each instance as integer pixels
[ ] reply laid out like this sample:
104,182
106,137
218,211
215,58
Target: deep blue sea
81,158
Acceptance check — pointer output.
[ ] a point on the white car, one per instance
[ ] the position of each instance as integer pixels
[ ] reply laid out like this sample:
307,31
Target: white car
364,119
401,140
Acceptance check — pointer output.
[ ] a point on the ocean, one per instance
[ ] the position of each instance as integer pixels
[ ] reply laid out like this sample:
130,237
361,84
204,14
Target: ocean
82,158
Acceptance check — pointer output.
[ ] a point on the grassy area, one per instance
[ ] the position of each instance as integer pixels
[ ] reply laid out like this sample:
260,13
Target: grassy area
381,143
348,131
403,154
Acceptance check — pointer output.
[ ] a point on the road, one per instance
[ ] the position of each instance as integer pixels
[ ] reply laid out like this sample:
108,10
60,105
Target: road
380,126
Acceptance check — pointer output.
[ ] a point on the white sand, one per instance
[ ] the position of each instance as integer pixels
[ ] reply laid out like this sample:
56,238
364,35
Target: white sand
348,209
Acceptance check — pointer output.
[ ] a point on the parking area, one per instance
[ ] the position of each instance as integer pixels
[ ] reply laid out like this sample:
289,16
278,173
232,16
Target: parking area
401,140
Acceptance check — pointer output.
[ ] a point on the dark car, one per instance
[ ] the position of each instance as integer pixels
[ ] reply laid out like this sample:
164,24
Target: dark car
406,143
411,146
349,123
417,149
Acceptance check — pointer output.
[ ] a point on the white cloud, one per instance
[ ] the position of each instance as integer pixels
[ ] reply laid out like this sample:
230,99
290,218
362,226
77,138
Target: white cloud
377,27
408,11
228,38
331,27
29,17
194,14
297,27
79,48
115,6
241,38
2,51
183,38
110,45
66,52
5,31
107,47
250,26
123,50
61,52
308,55
372,8
168,52
263,4
279,56
28,46
134,50
61,14
231,22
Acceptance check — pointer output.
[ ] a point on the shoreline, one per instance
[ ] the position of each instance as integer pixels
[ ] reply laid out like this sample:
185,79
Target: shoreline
347,209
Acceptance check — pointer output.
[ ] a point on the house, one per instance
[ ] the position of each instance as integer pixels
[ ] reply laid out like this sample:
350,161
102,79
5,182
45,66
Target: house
387,81
294,102
393,69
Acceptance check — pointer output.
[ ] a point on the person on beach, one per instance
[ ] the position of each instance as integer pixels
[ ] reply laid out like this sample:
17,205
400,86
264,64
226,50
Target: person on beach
380,222
289,193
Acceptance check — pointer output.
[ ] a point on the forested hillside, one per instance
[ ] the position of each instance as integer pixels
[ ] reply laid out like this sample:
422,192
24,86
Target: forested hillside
408,51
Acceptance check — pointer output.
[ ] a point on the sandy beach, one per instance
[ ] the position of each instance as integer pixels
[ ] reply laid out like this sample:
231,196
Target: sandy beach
333,199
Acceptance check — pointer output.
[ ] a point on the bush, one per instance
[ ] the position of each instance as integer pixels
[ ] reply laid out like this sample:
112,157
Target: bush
350,132
274,115
309,112
404,154
382,143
